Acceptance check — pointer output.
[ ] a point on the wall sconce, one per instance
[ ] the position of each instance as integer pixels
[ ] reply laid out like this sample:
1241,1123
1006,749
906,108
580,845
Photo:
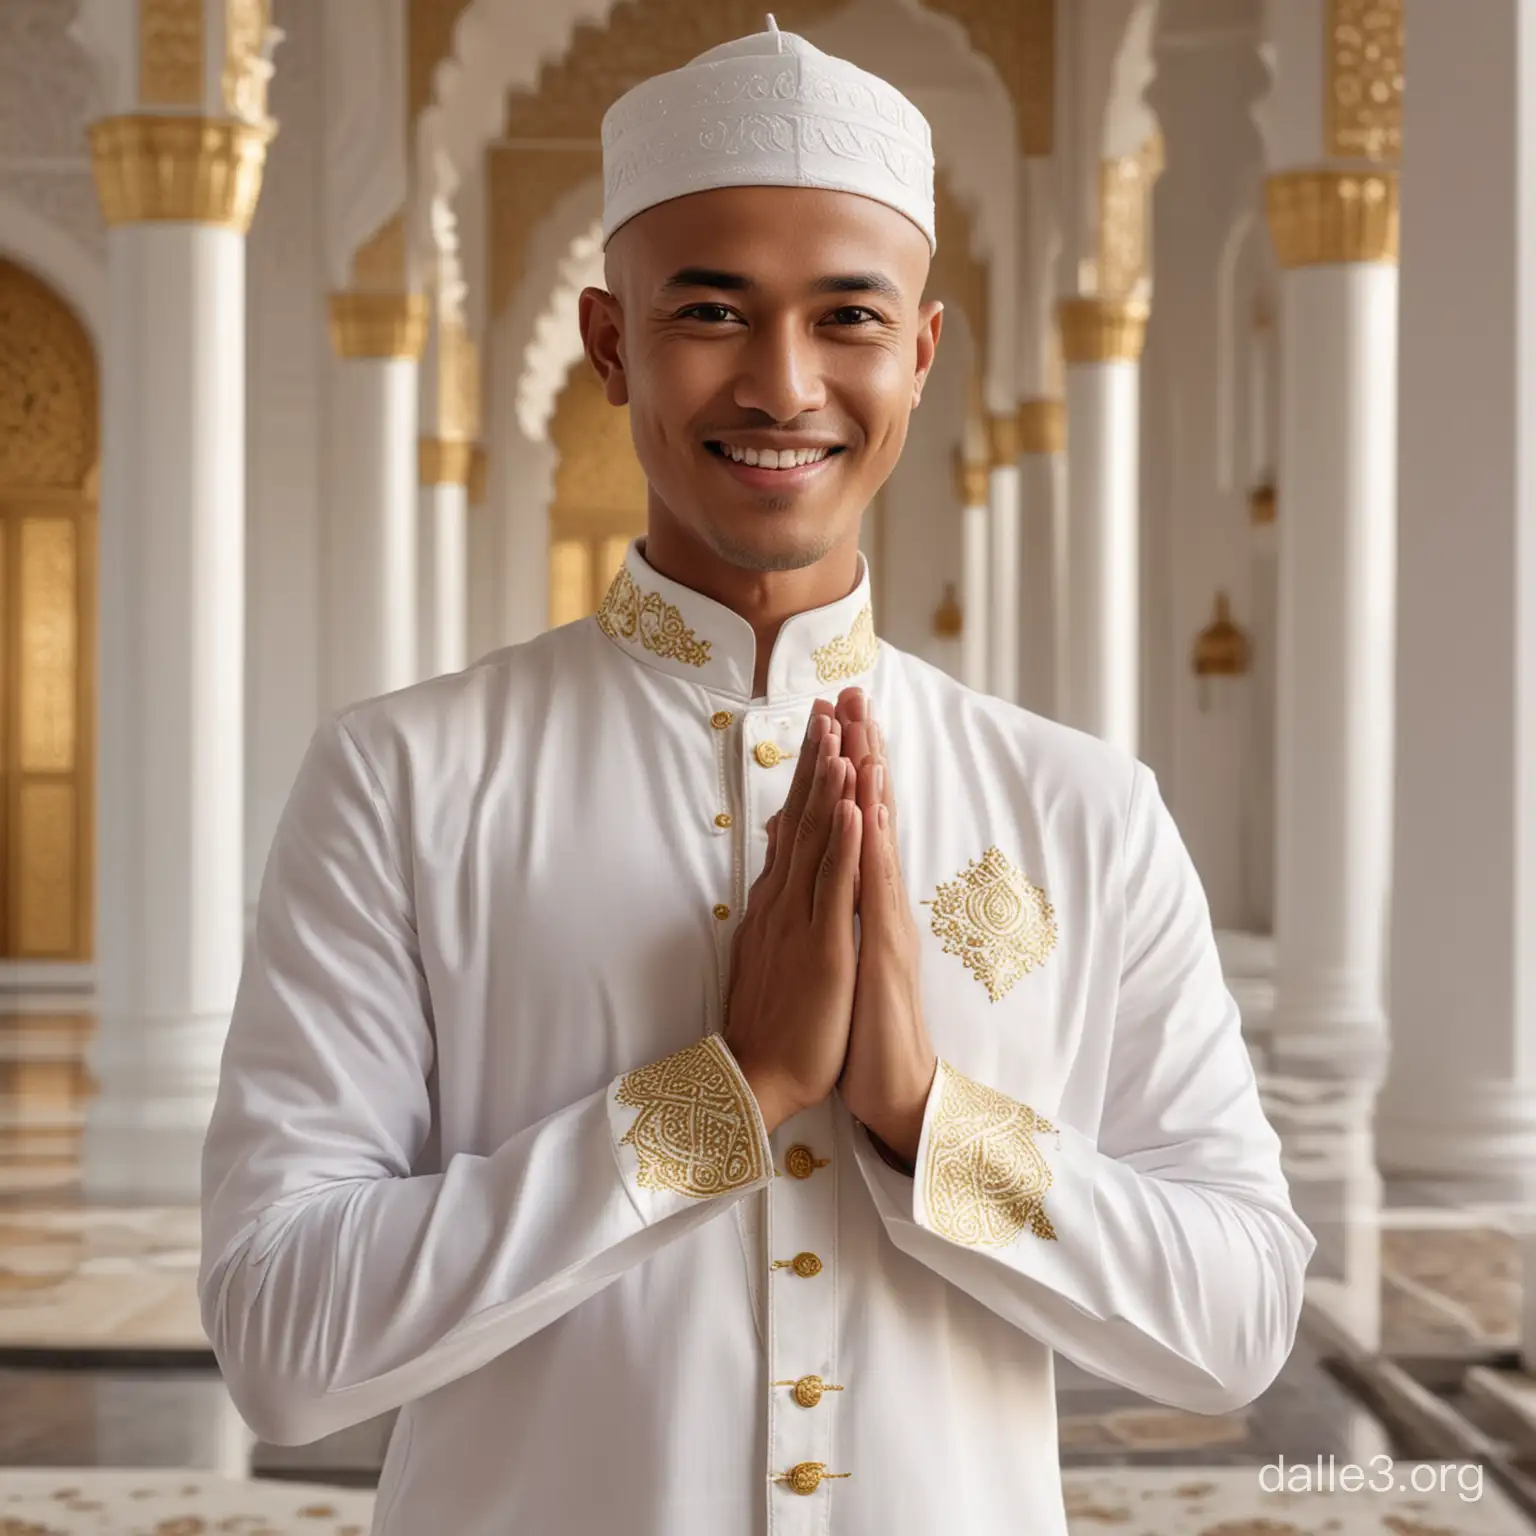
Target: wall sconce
1261,505
1221,649
948,617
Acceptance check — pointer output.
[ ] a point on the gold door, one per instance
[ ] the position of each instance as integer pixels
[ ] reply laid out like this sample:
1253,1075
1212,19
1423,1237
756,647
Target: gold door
48,455
600,496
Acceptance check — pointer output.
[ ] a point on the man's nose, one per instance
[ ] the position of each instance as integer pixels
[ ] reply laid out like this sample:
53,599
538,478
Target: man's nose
780,373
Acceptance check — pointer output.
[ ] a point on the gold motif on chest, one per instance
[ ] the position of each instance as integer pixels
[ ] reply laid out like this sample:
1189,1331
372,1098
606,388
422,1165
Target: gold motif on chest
999,924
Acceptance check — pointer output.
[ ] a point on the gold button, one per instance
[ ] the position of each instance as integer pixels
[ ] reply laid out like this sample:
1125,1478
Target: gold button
807,1476
800,1162
723,819
721,719
808,1390
768,754
804,1264
722,911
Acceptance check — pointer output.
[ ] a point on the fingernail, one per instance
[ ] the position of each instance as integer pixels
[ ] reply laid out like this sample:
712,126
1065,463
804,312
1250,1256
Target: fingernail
876,741
879,784
819,724
881,817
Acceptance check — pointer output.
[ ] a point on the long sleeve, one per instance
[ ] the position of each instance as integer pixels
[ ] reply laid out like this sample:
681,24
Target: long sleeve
1166,1256
336,1283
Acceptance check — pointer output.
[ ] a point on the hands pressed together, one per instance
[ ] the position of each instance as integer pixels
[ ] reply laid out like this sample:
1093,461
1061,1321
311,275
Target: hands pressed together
810,1010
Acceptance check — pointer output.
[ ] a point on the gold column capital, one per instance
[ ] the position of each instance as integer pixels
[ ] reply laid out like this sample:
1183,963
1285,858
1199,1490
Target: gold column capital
1002,439
444,460
197,170
970,480
1327,216
1097,329
1042,425
379,325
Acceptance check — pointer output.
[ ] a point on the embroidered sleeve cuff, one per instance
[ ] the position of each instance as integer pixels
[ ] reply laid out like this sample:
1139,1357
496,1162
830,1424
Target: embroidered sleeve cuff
687,1128
993,1174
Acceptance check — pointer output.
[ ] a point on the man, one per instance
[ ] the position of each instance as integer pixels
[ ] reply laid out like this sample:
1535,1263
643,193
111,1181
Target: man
660,1204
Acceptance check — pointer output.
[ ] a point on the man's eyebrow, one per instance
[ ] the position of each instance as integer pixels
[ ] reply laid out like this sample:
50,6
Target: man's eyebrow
736,282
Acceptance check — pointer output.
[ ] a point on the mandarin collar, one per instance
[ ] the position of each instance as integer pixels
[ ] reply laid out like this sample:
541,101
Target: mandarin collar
670,627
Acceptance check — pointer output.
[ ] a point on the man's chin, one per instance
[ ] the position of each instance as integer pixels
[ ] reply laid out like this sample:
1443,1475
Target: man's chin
770,548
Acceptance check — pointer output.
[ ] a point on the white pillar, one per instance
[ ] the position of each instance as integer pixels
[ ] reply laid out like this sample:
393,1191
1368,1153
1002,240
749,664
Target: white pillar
443,527
368,542
1101,342
1003,553
171,642
1332,112
1336,236
1042,437
1461,1099
1259,753
975,580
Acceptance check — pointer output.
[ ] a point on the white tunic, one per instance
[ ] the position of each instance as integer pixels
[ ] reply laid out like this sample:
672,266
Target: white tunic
480,1151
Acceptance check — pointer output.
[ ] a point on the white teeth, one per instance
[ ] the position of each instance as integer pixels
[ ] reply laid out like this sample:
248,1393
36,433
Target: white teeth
775,458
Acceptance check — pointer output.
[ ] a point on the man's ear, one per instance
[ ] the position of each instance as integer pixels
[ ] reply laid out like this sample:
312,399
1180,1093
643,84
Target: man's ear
930,321
602,338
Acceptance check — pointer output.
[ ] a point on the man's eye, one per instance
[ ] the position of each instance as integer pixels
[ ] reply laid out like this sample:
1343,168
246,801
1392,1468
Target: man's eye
854,314
712,313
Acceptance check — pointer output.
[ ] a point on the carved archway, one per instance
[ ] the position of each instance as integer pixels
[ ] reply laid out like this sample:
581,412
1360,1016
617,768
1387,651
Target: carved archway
48,472
600,496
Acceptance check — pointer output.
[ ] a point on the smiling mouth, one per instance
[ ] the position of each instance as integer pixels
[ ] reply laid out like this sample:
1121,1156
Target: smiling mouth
771,458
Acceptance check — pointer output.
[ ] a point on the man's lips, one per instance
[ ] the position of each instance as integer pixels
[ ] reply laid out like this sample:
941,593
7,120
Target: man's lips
761,478
790,476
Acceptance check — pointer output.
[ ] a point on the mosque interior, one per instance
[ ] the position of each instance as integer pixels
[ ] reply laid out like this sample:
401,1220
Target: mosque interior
1192,474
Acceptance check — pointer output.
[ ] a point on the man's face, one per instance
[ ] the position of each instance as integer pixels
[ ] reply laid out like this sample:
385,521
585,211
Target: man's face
751,322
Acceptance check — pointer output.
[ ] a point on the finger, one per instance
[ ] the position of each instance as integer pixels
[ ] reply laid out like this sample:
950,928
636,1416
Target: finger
852,705
887,792
856,745
814,829
871,777
851,795
833,896
879,870
768,859
800,786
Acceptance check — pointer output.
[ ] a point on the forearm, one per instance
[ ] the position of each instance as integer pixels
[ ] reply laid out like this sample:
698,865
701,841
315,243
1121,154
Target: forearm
355,1296
1186,1292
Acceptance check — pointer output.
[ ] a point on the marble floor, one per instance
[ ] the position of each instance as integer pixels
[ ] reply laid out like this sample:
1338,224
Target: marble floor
113,1418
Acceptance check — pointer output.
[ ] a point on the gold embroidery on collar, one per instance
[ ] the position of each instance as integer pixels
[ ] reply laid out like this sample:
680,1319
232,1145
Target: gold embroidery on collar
851,654
696,1131
998,923
628,613
986,1178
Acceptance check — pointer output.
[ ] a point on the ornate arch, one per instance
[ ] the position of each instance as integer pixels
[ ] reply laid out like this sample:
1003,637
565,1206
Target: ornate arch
960,276
48,387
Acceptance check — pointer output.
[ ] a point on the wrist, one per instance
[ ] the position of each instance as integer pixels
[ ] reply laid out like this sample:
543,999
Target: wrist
907,1167
771,1103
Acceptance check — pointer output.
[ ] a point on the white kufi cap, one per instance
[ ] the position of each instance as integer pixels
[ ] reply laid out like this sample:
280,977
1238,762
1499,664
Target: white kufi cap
767,110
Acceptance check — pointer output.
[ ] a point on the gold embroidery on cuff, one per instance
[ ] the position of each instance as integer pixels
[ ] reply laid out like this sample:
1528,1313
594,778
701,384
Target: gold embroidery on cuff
850,654
627,613
985,1177
998,923
696,1132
